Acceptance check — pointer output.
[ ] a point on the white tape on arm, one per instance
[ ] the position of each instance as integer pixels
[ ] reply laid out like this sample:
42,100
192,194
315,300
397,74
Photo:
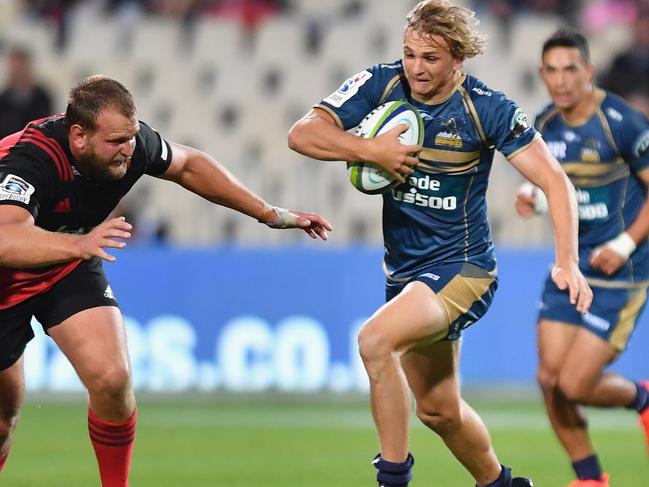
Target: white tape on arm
540,200
622,245
284,218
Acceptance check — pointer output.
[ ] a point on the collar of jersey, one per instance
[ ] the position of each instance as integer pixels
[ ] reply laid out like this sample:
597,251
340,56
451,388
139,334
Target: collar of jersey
443,100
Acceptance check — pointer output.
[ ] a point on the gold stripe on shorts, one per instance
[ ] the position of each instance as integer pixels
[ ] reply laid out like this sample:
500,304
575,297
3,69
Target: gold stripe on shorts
628,316
463,290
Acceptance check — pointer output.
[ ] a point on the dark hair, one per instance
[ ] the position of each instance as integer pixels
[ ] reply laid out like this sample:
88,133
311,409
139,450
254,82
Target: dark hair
89,97
568,38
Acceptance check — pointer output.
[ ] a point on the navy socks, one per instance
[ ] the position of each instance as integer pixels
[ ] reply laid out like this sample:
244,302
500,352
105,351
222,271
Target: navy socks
505,479
391,473
588,468
641,401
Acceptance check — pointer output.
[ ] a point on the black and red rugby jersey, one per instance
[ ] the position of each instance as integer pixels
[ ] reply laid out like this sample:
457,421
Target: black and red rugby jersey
37,172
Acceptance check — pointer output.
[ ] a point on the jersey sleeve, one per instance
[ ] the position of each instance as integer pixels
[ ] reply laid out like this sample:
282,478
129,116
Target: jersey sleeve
155,151
631,133
357,96
25,182
505,125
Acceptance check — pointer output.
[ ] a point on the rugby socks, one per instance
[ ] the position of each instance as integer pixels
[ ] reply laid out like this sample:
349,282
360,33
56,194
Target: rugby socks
3,459
588,468
641,401
505,479
113,444
393,474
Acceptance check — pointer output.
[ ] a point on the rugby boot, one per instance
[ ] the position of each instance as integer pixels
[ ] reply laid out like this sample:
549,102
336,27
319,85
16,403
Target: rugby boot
603,482
644,417
522,482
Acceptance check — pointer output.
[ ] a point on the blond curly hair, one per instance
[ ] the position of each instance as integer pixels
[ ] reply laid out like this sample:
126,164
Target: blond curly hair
457,25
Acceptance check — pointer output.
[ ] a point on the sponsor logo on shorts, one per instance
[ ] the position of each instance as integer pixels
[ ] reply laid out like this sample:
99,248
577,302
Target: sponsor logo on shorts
597,322
15,188
430,275
108,293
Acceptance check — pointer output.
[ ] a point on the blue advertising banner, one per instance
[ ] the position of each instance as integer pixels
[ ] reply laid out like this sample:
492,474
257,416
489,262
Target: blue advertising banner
287,319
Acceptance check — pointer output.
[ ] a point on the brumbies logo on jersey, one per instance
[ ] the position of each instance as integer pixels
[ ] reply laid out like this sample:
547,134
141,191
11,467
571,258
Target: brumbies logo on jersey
590,151
15,188
450,135
348,89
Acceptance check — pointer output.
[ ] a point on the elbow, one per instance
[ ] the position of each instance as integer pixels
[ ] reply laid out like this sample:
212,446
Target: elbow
294,139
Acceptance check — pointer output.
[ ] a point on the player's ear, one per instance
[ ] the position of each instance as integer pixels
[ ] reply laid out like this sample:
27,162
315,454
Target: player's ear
77,136
591,72
457,63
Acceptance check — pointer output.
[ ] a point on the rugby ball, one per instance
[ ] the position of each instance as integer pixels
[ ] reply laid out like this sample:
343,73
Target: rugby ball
367,177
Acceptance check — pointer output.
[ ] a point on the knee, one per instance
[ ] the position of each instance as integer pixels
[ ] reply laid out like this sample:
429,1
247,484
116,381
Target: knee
574,390
8,422
440,417
373,345
114,382
548,379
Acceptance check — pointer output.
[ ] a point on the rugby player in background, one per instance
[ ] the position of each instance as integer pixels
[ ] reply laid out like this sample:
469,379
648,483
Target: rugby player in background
439,262
603,145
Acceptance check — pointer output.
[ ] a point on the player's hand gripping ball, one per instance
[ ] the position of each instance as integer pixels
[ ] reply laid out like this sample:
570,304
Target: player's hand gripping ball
367,177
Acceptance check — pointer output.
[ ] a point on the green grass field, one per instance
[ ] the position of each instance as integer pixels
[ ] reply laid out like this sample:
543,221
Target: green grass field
273,441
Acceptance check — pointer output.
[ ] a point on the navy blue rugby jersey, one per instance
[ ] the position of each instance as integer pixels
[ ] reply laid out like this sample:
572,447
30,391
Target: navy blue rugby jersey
439,215
37,173
602,158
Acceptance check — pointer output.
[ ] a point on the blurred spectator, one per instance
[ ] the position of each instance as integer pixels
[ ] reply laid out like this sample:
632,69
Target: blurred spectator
22,99
628,75
250,12
57,11
600,14
568,9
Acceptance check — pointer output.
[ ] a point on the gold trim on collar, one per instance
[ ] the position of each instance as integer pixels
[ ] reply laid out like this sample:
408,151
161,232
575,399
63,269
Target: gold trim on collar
390,86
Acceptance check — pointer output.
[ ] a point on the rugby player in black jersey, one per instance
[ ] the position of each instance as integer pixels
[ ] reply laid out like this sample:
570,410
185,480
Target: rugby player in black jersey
60,178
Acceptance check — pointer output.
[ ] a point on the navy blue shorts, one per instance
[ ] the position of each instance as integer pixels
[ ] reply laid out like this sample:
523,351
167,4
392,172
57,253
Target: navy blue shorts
612,316
84,288
466,291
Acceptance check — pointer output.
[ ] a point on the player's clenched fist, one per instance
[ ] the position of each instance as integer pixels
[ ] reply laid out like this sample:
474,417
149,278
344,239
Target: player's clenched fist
108,234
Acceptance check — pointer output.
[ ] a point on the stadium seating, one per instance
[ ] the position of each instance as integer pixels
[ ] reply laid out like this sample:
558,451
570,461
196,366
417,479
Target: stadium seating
235,95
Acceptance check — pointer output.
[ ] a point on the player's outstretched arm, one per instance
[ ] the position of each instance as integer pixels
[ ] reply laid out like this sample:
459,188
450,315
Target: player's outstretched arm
206,177
542,169
317,135
24,245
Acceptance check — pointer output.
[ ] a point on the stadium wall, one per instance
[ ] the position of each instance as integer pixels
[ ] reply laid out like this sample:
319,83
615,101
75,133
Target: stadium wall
287,319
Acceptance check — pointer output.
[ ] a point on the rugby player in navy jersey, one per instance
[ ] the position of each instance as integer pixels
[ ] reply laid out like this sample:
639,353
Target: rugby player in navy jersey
60,178
603,145
439,262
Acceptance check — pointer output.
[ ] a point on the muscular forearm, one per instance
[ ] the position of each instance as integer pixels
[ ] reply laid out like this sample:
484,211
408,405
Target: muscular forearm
319,139
563,211
26,246
208,178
